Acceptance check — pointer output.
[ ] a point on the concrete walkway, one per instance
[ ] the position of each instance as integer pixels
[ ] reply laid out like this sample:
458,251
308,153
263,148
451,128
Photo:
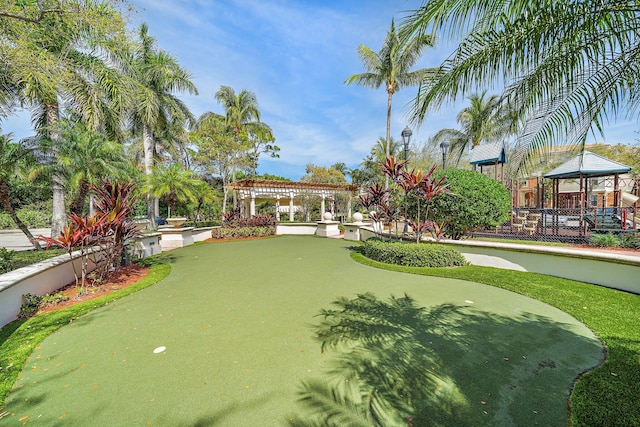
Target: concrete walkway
15,240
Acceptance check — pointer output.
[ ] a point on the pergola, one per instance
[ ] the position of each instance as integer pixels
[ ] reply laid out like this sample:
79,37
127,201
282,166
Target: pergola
584,166
249,190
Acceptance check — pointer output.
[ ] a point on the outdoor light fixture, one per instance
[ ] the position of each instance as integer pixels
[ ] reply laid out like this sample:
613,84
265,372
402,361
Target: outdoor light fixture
444,146
406,138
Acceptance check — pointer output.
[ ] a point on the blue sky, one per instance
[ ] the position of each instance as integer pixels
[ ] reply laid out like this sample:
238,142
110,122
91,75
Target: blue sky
295,56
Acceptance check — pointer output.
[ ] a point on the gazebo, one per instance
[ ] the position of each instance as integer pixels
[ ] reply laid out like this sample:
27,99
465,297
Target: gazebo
584,166
251,189
492,154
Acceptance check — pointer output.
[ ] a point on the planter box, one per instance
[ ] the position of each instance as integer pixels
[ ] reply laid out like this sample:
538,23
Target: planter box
173,238
147,245
300,228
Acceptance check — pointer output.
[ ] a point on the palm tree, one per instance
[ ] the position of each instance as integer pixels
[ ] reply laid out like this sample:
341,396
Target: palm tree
156,109
241,115
391,67
50,61
13,160
86,157
485,119
173,183
567,66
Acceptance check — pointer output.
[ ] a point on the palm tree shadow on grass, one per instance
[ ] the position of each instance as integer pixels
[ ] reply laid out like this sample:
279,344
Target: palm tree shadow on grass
395,363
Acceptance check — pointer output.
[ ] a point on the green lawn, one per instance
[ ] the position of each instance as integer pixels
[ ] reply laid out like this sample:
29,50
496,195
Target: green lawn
238,322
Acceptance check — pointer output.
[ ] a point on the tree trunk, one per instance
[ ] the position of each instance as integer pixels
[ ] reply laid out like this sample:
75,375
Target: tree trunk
148,144
77,206
388,145
5,200
59,214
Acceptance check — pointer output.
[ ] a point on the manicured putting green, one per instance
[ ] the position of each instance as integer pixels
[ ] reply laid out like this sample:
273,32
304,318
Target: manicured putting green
226,339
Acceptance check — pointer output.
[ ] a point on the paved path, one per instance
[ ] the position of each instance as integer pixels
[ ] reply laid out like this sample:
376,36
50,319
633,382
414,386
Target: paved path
15,240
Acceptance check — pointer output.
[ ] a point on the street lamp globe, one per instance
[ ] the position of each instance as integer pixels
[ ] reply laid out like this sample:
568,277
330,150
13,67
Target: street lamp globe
444,146
406,138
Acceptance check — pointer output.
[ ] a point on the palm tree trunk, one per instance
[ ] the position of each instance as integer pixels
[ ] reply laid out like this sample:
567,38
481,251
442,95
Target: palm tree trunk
77,206
147,142
5,200
58,220
388,145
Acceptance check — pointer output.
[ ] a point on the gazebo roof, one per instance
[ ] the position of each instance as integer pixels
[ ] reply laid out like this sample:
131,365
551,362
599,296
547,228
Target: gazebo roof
587,164
489,154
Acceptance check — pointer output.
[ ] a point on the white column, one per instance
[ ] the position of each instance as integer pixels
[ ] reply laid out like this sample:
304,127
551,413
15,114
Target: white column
290,207
349,216
277,208
322,207
252,204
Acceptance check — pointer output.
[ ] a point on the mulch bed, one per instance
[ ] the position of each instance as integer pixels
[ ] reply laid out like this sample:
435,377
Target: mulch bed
124,277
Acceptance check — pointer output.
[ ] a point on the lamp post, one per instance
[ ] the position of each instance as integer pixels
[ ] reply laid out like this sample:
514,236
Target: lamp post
406,138
444,146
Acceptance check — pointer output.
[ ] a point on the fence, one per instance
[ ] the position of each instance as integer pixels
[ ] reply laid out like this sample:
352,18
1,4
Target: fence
564,225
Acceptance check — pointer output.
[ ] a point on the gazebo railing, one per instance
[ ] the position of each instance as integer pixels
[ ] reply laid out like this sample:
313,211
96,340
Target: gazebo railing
564,225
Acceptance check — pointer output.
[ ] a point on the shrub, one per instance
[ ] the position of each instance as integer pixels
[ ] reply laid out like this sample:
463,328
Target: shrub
7,260
33,216
630,241
30,305
604,240
413,254
475,202
230,233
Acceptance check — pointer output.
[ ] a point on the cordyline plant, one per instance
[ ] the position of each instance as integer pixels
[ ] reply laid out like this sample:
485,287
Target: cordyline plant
418,187
100,238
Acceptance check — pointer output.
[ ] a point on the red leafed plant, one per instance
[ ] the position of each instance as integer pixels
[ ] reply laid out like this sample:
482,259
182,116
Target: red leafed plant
100,238
418,188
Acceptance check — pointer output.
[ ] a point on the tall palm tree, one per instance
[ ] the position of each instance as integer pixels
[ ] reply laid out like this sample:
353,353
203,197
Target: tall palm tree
391,67
155,108
58,62
14,158
241,115
484,120
567,66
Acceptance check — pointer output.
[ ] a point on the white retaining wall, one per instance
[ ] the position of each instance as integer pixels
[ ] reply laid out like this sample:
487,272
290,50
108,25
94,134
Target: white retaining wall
299,228
41,278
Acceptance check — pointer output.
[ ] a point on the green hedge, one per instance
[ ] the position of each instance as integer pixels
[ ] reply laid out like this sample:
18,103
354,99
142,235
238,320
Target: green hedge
413,254
226,233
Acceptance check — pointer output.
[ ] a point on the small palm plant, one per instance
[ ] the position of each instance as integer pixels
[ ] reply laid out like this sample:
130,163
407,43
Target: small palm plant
173,183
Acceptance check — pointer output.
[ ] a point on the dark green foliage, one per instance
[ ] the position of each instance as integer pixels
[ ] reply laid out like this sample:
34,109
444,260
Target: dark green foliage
226,233
413,254
631,241
37,215
604,240
475,202
30,305
7,262
233,225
